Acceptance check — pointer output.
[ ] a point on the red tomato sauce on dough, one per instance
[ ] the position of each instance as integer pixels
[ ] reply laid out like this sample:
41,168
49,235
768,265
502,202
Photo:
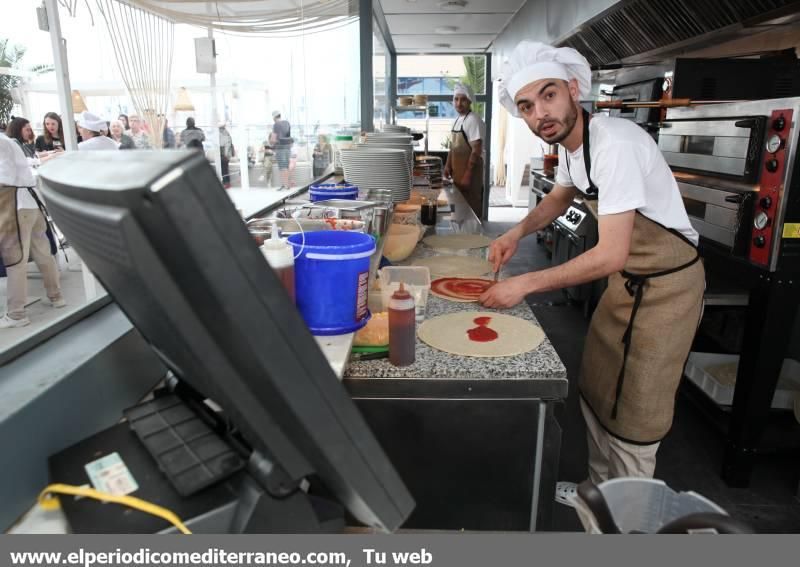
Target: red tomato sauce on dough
482,333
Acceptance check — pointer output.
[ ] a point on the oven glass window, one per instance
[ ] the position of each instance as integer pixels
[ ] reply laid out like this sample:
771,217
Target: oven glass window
703,145
694,208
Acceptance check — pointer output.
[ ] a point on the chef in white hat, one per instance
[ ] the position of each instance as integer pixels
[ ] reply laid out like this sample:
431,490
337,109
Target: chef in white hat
465,158
91,127
644,324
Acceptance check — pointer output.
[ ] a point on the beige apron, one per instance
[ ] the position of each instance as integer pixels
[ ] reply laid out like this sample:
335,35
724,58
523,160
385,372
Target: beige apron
642,330
460,150
10,241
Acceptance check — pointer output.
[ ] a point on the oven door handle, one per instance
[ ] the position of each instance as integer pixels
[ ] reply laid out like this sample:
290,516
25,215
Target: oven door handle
736,199
747,123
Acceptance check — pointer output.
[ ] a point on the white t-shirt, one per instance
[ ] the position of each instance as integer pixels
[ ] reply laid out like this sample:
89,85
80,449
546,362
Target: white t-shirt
15,172
98,143
629,172
473,127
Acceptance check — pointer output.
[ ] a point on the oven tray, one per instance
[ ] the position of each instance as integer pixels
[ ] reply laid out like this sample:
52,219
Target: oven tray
699,362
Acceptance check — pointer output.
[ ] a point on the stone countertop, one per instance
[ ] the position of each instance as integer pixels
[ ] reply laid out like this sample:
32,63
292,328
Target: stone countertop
538,373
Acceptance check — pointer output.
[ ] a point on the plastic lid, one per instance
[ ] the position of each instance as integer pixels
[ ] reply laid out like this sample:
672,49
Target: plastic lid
401,293
278,253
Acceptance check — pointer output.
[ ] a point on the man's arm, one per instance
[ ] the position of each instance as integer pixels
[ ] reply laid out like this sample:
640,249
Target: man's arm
474,159
553,205
549,209
607,257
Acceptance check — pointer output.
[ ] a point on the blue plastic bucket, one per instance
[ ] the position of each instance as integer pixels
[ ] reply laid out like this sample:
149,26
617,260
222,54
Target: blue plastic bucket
331,279
326,191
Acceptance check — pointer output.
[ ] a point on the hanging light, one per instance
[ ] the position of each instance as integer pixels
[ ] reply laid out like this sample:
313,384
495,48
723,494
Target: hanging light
183,102
78,104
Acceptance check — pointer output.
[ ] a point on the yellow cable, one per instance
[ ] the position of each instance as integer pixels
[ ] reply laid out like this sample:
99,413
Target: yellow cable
48,502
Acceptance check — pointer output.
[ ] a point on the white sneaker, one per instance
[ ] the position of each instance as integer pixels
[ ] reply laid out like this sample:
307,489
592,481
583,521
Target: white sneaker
58,303
7,322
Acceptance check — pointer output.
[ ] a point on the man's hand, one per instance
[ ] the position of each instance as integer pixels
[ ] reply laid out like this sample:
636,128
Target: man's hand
502,249
448,171
505,294
466,181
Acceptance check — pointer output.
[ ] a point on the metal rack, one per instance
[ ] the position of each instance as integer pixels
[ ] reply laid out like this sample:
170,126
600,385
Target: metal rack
415,108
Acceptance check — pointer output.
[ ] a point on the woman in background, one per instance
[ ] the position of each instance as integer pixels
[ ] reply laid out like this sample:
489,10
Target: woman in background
19,130
125,124
322,156
117,133
53,138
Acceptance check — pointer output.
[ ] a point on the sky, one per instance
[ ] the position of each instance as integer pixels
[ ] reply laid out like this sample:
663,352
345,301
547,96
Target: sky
311,79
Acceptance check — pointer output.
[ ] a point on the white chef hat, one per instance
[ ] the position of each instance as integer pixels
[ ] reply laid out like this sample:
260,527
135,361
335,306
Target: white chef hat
532,61
462,89
91,122
276,113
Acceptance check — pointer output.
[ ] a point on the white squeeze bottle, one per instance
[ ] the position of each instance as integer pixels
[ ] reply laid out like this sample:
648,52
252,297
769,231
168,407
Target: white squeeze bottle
280,256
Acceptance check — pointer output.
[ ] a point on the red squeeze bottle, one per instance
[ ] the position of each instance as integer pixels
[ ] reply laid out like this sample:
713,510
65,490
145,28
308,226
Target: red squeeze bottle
402,328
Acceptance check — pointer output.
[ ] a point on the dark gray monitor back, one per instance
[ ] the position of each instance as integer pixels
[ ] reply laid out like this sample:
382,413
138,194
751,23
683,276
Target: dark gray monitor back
161,235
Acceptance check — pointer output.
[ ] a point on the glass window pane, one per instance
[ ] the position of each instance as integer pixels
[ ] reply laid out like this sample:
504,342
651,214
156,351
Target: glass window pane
439,73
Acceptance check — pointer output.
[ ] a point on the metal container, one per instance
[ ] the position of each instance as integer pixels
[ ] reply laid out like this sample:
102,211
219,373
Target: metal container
341,204
380,221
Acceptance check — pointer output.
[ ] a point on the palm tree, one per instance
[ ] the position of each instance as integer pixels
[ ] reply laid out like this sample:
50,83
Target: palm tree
10,59
10,56
475,78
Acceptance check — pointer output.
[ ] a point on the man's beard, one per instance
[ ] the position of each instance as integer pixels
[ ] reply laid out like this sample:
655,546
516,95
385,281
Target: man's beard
569,124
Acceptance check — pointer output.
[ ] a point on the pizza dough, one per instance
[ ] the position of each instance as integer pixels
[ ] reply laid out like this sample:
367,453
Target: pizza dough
451,334
457,241
455,266
463,290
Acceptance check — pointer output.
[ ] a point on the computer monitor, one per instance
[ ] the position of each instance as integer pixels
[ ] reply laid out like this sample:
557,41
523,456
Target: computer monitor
161,235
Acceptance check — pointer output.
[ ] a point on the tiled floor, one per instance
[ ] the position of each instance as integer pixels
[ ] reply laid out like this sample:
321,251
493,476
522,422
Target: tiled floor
41,314
691,455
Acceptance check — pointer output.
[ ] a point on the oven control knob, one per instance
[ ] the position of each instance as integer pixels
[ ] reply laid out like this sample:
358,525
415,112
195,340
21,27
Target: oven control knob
759,241
765,202
779,123
761,220
577,218
772,165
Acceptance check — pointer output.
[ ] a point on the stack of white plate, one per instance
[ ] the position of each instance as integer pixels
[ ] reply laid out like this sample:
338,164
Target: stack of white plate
375,168
393,141
396,129
303,174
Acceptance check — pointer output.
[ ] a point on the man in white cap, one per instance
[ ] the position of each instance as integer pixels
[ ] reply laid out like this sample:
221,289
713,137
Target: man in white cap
643,327
281,140
465,158
91,127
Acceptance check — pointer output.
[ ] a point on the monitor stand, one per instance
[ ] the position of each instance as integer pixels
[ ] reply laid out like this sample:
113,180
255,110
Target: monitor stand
238,504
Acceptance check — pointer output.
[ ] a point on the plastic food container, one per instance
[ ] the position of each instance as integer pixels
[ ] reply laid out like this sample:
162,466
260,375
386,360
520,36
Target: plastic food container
332,277
645,505
327,191
700,362
416,279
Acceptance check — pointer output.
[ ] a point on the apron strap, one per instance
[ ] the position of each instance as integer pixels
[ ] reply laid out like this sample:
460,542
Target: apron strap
592,192
634,285
463,134
55,243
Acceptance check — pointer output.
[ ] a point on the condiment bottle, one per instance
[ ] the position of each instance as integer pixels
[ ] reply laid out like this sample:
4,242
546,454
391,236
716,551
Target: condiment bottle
402,328
280,256
428,212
